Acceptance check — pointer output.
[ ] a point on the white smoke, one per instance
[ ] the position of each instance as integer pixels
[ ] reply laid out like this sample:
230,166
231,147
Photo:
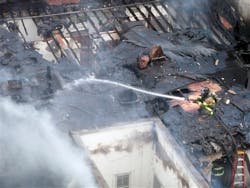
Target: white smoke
32,149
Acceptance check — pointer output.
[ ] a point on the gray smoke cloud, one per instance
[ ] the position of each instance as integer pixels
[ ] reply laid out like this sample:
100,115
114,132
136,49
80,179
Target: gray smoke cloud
191,13
189,6
34,154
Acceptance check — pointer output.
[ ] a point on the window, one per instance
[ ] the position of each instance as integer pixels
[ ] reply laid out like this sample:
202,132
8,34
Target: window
122,181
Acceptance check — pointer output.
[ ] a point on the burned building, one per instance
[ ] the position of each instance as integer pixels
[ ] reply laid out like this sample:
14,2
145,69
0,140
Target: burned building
99,67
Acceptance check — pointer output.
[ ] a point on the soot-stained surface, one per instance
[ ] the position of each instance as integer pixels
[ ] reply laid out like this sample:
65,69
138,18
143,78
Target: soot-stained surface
193,61
190,66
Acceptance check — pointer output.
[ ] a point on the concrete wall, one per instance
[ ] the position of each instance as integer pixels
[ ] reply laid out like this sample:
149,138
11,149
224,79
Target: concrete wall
171,165
125,151
136,163
144,151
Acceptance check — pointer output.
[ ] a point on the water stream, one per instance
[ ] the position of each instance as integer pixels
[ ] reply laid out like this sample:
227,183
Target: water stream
92,79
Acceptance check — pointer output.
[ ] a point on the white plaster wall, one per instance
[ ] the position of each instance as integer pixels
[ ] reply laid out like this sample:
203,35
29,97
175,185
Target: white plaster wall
140,160
110,136
138,163
179,160
166,176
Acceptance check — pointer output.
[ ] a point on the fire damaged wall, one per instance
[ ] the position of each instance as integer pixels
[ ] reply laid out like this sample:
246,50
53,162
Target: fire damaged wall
144,151
197,41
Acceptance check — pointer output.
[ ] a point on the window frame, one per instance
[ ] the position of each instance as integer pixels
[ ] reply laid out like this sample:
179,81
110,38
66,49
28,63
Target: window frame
122,175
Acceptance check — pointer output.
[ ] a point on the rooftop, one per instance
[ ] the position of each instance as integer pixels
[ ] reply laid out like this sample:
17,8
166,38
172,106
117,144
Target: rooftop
49,55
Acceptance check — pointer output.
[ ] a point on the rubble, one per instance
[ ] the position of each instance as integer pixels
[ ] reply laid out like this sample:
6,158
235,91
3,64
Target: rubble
14,84
154,53
180,62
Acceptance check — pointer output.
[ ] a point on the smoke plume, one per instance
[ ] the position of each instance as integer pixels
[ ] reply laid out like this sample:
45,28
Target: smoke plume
34,154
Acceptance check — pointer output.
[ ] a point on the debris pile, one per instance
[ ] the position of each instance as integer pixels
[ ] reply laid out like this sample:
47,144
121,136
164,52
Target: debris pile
152,54
164,53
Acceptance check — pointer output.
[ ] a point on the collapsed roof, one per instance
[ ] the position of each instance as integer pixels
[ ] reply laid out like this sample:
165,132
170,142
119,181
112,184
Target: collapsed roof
106,42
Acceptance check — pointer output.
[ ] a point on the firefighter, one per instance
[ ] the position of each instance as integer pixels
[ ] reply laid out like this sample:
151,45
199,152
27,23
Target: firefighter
216,175
207,101
221,173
